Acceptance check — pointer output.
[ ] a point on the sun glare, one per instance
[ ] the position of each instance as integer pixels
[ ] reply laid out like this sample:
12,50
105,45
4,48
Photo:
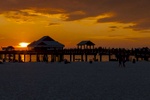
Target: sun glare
23,44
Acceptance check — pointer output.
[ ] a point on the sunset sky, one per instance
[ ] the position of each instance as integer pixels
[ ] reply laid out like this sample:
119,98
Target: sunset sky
107,23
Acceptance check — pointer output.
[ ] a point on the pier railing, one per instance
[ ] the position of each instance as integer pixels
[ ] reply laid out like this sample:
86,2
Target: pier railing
82,51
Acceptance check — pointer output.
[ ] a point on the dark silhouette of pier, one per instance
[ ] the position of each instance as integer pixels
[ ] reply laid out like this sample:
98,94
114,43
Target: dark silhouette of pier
143,53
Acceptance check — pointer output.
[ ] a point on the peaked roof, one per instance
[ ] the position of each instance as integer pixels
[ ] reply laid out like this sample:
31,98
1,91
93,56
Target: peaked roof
10,47
86,43
53,43
45,38
45,41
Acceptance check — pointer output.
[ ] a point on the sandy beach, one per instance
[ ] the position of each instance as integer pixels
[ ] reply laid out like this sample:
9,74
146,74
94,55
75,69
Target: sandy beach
74,81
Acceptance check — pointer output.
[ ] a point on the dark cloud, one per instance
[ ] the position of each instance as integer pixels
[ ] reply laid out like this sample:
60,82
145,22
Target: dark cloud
143,25
52,24
113,27
125,11
137,12
20,16
145,31
135,39
140,39
112,30
115,35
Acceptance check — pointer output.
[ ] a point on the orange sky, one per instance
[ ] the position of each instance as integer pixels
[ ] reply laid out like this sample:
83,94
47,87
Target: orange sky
106,23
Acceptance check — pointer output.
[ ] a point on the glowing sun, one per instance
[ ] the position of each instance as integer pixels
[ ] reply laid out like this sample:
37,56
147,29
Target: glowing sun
23,44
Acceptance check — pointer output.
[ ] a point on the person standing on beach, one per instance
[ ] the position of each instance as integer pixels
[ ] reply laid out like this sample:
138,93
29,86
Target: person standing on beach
38,60
20,58
46,58
124,62
120,60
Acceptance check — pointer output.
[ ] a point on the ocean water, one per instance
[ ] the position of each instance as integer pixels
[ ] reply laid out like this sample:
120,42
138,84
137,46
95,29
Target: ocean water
89,57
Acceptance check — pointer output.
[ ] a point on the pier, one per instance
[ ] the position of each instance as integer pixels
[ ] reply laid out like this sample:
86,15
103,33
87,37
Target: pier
143,54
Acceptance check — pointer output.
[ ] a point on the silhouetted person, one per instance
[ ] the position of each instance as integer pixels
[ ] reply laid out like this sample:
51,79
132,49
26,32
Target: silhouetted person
19,58
124,62
133,60
66,61
52,60
46,58
120,60
4,60
38,60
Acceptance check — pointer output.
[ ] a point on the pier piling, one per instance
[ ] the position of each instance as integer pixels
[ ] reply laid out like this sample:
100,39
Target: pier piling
70,57
100,57
81,57
85,57
73,57
30,58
